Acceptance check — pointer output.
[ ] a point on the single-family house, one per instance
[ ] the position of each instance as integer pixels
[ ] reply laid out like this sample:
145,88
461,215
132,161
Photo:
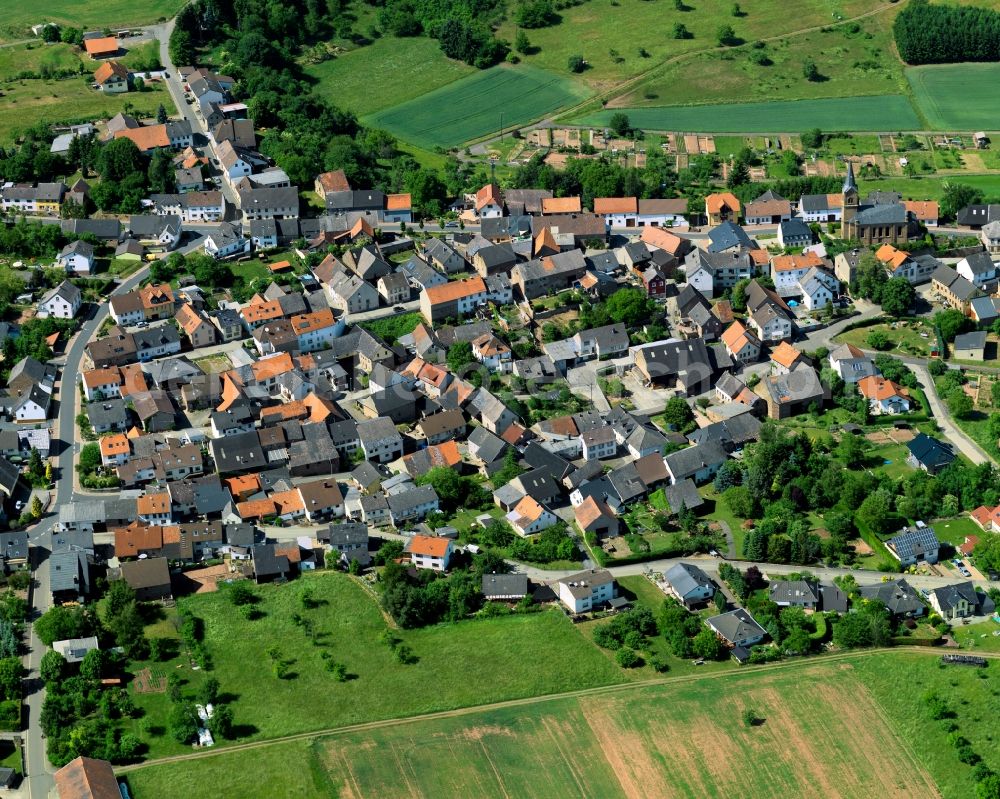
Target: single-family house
587,590
689,584
970,346
430,552
929,454
737,628
960,601
77,257
62,302
722,207
884,396
914,545
529,517
851,364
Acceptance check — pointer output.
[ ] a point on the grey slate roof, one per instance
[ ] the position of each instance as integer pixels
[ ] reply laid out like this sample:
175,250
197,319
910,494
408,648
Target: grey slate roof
736,625
971,341
899,597
931,452
949,596
881,215
686,578
726,236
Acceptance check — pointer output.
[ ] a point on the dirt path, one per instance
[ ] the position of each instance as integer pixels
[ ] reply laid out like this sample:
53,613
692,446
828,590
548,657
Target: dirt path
533,700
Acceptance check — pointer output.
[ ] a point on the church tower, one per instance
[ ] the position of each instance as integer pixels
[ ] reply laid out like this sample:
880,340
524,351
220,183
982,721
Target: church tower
851,198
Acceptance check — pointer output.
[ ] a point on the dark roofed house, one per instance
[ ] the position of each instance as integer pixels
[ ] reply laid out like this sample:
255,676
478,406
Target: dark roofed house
898,596
150,578
268,565
737,628
350,542
961,600
505,587
795,593
683,495
928,453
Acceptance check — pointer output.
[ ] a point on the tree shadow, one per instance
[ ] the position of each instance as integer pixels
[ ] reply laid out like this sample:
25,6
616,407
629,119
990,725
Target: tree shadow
244,730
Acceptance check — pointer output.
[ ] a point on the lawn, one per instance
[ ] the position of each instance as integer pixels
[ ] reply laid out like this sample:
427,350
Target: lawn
956,96
954,531
475,106
846,59
383,74
980,636
683,739
904,336
537,654
977,427
931,188
390,328
18,16
27,102
890,112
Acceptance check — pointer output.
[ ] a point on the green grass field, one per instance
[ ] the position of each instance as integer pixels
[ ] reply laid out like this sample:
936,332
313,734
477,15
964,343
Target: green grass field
385,73
390,328
534,654
889,112
471,107
931,188
36,57
17,17
956,96
72,100
684,739
846,59
609,34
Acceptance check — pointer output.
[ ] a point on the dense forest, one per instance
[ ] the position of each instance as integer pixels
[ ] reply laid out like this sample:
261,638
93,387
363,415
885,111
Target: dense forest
945,34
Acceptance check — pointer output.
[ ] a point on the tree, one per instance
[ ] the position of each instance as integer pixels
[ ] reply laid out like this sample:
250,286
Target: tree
535,14
951,322
35,466
90,458
960,404
812,138
809,70
876,511
61,622
630,306
92,665
576,63
851,450
955,196
161,114
720,601
738,298
740,501
678,413
52,667
680,31
706,645
241,593
749,716
36,507
521,43
878,340
726,36
12,672
867,626
459,356
620,124
209,693
627,658
221,723
511,469
736,11
183,723
897,296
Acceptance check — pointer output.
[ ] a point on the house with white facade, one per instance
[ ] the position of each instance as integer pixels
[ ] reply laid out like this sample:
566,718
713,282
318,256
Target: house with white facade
430,552
62,302
586,590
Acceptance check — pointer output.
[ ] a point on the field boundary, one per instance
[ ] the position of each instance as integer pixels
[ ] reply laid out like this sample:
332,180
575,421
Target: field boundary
585,692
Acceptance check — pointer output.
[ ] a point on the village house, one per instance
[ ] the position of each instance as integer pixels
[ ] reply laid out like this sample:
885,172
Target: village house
62,302
530,517
884,396
960,601
587,590
851,364
737,628
914,545
769,208
429,552
929,454
689,584
955,290
723,207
